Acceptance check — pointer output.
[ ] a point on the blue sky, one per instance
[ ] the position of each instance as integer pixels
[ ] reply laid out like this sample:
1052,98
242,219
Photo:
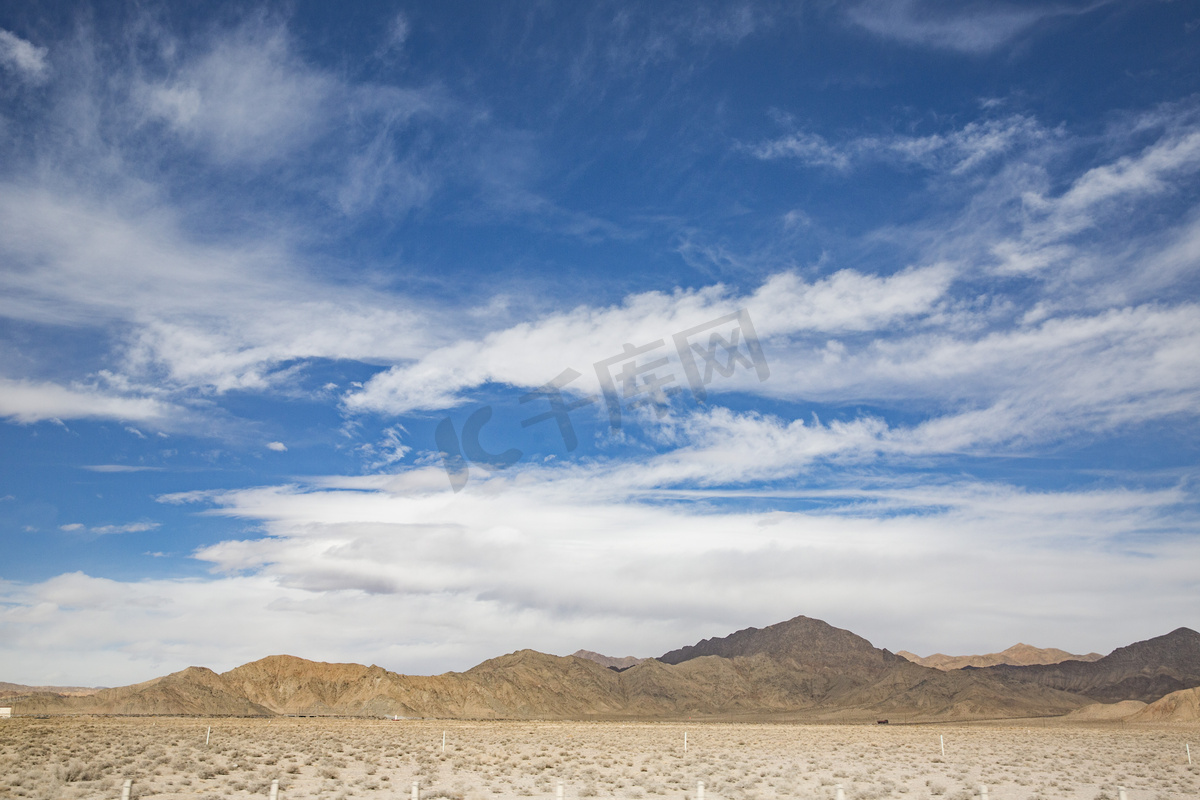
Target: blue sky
254,259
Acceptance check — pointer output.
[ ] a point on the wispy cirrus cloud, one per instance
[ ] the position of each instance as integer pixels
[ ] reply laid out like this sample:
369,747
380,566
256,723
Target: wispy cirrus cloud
955,151
91,242
94,243
105,530
973,28
621,41
247,100
1005,373
24,58
1053,377
1100,194
120,468
200,316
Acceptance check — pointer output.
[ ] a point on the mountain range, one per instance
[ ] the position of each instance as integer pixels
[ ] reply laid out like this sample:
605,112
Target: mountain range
802,670
625,662
13,689
1019,655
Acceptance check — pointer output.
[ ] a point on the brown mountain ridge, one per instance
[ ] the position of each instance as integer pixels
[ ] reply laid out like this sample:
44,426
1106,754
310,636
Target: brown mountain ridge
625,662
802,669
1019,655
14,689
1143,671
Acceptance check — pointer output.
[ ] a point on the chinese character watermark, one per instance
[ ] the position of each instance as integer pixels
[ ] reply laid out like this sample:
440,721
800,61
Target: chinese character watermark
635,378
743,331
560,410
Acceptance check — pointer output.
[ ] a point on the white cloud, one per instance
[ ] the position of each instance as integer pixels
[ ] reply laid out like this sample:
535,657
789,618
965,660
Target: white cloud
1103,193
1174,260
25,58
96,239
389,450
214,317
376,173
1004,392
562,559
835,341
104,530
1050,378
278,447
627,41
398,31
1117,232
246,100
531,354
119,468
953,152
810,148
132,527
974,28
518,540
32,401
1016,370
178,498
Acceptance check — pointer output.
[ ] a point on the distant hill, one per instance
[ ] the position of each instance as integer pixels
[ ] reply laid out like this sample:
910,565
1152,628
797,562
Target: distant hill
1106,712
195,690
1142,671
803,669
1019,655
801,640
1181,706
14,689
288,685
608,661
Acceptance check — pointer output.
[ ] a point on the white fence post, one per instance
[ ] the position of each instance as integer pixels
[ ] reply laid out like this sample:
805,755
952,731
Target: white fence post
983,792
275,789
1121,793
126,789
558,790
840,792
699,790
416,792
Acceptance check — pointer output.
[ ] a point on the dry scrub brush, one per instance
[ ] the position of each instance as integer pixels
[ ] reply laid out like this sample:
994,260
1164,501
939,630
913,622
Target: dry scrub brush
86,758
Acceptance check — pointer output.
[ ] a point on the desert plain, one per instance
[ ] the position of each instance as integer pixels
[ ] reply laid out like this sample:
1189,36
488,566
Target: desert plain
78,758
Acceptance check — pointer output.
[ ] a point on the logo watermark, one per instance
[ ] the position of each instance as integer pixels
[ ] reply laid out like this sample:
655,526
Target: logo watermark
632,379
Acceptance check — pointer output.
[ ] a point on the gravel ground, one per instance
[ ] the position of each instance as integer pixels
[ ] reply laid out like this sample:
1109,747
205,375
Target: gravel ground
80,758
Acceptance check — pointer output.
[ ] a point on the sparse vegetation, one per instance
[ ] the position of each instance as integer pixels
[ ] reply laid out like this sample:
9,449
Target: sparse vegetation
87,759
